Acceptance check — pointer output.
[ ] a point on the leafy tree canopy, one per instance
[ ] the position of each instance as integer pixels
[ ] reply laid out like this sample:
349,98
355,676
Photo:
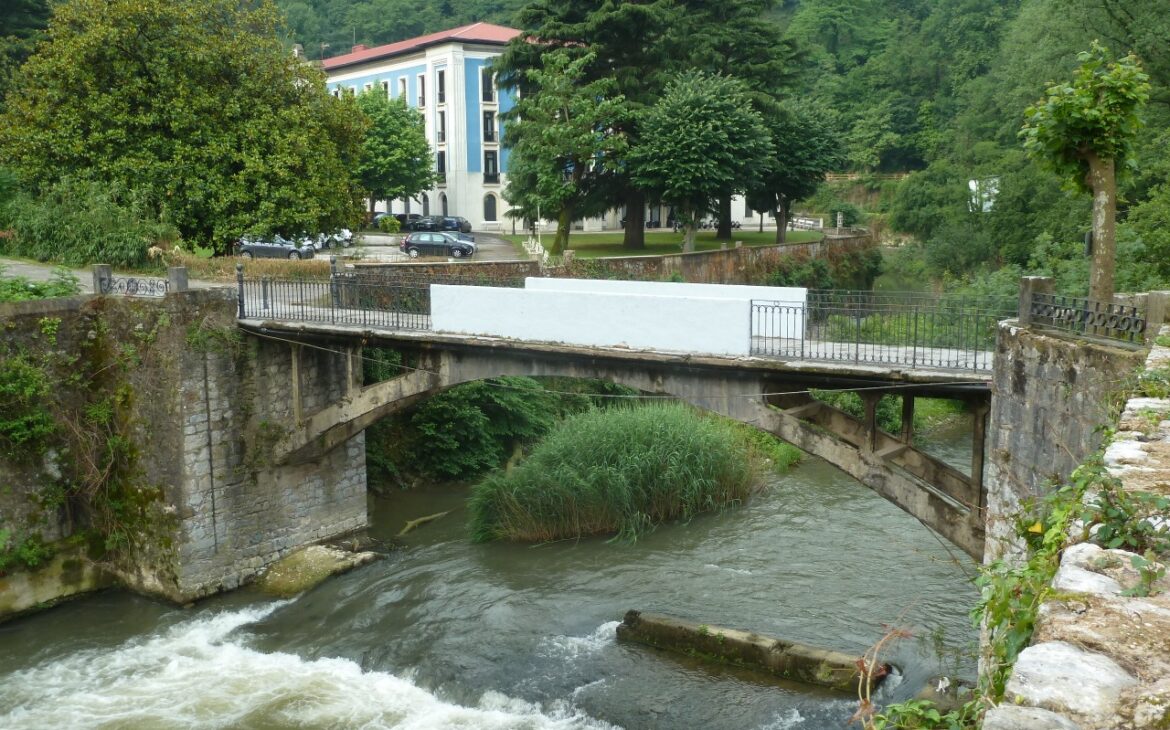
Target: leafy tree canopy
701,139
563,142
395,159
193,104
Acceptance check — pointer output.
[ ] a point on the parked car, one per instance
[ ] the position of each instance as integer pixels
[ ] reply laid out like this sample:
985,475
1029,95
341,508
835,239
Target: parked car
407,221
454,223
435,243
274,247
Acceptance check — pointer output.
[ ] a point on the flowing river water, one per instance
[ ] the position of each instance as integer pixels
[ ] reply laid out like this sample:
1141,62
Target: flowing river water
446,634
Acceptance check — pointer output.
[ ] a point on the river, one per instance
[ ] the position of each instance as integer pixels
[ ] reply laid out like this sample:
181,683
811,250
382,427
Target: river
446,634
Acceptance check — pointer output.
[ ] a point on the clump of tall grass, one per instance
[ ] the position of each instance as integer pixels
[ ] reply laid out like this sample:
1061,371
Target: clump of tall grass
619,471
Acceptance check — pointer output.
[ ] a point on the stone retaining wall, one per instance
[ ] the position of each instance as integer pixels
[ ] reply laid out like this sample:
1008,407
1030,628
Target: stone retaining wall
1051,395
204,408
1101,660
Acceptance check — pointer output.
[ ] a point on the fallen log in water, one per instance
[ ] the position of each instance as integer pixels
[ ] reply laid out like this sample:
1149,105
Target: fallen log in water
783,658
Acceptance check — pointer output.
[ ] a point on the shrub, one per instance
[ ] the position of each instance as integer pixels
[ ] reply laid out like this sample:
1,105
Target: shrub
389,224
20,289
618,471
79,222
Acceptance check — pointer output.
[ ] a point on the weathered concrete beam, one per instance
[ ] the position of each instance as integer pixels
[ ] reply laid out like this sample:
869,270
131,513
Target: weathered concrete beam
334,425
944,515
787,659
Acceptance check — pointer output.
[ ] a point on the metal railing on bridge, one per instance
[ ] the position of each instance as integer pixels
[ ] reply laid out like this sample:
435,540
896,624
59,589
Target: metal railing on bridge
912,329
906,329
396,301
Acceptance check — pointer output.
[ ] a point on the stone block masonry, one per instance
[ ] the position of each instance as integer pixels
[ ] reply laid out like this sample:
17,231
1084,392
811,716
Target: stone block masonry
1100,656
204,407
1051,395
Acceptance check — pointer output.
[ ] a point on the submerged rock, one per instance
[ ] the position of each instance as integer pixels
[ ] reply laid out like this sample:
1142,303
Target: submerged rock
300,571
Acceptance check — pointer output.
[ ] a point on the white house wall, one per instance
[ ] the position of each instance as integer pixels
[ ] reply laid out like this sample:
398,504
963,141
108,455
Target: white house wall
670,324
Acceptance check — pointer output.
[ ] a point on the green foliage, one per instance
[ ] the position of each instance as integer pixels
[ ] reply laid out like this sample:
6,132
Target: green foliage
389,224
79,222
620,471
380,363
26,421
19,289
1094,115
395,160
126,94
474,427
810,273
564,149
1114,517
29,552
701,140
924,715
1149,569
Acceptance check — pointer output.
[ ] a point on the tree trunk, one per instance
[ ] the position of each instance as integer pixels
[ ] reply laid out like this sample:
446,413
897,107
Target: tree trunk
781,219
689,237
564,223
1103,183
372,202
724,231
635,237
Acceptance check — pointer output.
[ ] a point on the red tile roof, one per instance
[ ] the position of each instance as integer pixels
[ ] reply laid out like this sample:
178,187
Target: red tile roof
474,33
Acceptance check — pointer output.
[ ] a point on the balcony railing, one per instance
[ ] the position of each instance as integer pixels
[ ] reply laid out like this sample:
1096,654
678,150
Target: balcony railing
489,135
491,177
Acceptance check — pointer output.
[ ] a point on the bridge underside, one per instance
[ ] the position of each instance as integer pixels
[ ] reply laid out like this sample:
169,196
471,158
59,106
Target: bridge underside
938,495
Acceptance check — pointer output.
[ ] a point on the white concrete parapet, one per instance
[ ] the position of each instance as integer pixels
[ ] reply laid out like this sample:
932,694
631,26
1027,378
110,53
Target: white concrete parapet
706,325
785,321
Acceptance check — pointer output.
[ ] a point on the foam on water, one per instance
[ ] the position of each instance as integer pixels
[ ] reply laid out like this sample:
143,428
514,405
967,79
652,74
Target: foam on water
571,647
195,675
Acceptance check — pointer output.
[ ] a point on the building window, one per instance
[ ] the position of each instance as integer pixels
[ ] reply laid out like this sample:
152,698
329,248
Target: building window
336,93
351,91
441,124
422,90
443,203
489,126
426,201
402,89
489,207
441,167
491,168
367,87
441,87
485,81
386,88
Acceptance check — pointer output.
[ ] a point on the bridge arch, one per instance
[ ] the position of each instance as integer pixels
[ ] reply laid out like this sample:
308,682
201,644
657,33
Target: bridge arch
941,498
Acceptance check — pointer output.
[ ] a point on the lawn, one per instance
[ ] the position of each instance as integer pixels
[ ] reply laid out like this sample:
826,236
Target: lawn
602,245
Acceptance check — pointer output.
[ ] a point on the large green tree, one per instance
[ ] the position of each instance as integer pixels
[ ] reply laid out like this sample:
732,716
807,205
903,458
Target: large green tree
1083,129
628,41
195,106
700,140
564,148
805,146
395,159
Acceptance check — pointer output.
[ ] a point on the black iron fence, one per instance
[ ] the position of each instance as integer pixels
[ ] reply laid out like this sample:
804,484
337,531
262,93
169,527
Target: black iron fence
916,330
1088,317
398,300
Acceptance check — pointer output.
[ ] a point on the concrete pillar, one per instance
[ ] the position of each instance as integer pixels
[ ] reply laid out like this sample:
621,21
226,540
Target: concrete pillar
907,419
870,400
296,383
978,449
176,278
1030,285
1156,308
103,275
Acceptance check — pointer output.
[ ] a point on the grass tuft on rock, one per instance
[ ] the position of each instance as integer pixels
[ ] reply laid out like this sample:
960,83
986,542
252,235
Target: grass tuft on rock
619,471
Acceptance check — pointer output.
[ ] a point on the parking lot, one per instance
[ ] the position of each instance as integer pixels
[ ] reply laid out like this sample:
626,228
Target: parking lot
384,247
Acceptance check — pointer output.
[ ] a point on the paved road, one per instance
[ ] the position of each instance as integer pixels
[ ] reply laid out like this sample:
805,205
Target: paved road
376,247
383,247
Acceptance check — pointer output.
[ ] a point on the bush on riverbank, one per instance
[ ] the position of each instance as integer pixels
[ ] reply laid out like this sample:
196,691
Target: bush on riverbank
619,471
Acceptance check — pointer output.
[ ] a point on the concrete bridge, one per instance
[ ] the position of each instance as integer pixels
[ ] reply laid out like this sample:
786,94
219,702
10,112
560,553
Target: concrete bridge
762,379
